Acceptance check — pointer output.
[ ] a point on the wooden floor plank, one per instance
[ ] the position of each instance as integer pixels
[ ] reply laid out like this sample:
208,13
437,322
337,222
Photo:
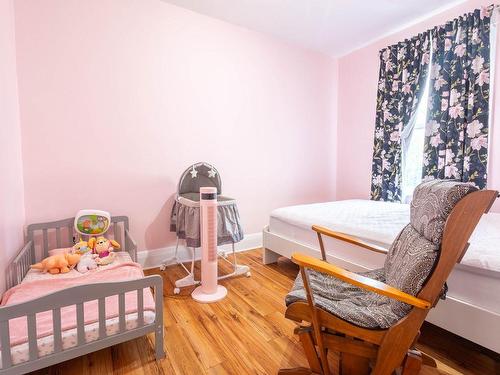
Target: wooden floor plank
247,333
183,358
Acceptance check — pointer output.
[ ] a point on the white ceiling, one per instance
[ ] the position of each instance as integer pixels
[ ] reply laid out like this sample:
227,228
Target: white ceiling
334,27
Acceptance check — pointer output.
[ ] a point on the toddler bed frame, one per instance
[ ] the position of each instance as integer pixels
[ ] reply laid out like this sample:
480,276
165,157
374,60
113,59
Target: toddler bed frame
39,236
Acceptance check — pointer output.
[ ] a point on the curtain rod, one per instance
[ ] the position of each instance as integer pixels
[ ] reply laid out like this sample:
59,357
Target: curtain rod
493,19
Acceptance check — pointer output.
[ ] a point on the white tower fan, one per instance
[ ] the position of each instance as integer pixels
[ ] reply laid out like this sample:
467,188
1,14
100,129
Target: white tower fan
209,290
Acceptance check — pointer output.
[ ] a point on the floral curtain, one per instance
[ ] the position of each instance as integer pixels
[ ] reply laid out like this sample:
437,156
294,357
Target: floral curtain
456,143
403,69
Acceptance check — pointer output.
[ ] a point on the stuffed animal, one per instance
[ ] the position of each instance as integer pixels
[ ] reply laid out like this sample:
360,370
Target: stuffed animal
60,263
104,247
81,247
87,262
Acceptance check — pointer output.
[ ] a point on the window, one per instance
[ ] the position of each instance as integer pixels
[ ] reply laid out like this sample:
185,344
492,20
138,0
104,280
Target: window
413,147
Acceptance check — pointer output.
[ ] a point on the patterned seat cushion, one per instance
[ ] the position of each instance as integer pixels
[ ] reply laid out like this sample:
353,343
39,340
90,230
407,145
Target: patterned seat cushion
355,305
409,263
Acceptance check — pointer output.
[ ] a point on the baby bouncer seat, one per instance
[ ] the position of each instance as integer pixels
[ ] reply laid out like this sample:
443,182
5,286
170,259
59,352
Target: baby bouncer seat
185,221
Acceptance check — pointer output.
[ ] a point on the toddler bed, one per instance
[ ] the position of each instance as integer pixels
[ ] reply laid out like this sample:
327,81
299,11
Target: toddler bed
472,308
46,319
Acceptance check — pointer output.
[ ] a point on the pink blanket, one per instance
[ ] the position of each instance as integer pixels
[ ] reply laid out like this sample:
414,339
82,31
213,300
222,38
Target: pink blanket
34,289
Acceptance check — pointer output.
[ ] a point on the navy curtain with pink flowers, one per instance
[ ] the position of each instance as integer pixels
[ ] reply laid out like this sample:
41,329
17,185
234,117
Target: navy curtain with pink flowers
456,143
403,69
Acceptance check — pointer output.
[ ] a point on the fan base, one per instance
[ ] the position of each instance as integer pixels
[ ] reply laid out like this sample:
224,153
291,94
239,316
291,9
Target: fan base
199,296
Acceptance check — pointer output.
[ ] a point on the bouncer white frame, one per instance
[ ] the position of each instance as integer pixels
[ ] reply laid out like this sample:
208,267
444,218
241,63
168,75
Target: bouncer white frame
190,280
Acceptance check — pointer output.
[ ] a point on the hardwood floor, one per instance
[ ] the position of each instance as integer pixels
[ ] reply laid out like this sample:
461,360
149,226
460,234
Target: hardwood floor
246,333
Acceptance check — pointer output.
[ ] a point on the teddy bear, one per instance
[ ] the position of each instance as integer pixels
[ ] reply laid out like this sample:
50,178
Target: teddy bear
60,263
103,247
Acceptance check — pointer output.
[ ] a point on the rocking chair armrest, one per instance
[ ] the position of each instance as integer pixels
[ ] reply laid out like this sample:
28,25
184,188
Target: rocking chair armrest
347,238
360,281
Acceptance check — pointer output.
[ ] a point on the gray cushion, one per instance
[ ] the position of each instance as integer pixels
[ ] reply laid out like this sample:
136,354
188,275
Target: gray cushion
348,302
412,256
408,264
432,203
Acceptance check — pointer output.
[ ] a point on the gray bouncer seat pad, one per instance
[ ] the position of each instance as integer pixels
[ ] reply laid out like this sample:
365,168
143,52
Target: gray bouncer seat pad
185,215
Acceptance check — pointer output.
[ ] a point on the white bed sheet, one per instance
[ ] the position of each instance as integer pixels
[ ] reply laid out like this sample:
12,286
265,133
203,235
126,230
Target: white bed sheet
476,280
380,223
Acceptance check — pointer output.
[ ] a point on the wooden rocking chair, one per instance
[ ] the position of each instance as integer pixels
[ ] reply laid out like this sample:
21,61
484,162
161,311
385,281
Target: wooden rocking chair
443,214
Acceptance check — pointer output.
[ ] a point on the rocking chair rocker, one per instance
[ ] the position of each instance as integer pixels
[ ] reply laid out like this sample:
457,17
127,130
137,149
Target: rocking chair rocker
371,320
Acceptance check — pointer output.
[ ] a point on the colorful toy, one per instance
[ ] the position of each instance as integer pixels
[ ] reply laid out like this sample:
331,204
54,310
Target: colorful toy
87,261
92,222
60,263
104,248
81,247
96,223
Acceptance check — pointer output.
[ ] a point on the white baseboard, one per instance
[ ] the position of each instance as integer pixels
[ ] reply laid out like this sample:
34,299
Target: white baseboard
154,258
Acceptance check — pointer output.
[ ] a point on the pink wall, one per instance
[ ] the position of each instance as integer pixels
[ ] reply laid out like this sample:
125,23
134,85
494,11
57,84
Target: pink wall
11,186
117,97
357,91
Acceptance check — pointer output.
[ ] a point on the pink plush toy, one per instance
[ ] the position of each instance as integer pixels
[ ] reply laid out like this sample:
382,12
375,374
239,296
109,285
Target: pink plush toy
104,248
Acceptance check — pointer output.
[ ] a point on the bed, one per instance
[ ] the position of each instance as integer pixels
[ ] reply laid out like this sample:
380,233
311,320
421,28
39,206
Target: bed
472,307
80,313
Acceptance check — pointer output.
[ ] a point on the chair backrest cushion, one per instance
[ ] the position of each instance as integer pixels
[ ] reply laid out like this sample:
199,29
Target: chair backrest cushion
408,264
432,204
411,258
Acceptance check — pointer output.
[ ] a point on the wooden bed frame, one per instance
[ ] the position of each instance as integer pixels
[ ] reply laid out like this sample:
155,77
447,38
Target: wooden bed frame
40,234
452,314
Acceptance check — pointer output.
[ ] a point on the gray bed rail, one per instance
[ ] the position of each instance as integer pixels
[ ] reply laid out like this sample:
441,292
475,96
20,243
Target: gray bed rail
18,268
43,236
77,296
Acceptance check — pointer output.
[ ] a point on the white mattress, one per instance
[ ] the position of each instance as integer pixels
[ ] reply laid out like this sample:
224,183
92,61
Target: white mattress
476,280
379,223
